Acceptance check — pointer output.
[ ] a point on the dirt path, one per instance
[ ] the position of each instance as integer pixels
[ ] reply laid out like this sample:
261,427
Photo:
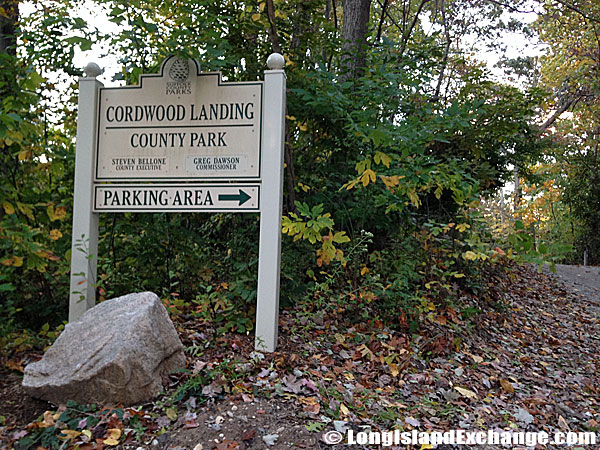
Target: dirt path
584,280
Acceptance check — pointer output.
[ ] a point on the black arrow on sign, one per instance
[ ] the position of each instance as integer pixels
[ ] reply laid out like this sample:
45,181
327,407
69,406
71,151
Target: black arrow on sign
242,197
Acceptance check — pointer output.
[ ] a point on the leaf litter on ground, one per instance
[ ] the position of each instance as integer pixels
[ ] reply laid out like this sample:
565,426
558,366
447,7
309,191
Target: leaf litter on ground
528,362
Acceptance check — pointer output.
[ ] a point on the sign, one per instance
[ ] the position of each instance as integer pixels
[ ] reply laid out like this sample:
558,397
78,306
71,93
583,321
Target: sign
180,125
175,129
176,198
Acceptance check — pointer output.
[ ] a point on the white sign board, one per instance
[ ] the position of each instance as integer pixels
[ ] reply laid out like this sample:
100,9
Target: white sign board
176,198
175,129
180,125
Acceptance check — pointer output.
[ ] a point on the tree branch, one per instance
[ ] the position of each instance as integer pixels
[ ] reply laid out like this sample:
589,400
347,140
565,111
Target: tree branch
273,36
381,19
578,11
406,36
438,88
510,7
564,105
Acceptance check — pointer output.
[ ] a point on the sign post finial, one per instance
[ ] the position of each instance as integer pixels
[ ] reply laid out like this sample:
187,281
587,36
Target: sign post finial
92,70
275,61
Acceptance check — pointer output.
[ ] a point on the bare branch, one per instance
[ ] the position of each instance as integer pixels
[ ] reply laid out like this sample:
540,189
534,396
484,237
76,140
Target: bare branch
273,36
510,7
436,95
381,19
406,36
563,106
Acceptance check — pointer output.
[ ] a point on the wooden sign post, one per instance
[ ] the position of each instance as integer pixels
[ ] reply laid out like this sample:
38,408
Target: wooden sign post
179,129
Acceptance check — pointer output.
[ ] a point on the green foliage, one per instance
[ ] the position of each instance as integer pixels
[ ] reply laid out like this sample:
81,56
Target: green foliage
35,190
569,70
309,225
383,170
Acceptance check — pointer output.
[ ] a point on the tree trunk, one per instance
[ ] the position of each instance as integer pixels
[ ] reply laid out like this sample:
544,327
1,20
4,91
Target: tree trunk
8,22
354,36
517,197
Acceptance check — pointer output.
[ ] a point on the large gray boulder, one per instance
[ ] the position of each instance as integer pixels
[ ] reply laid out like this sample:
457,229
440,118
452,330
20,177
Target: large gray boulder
117,352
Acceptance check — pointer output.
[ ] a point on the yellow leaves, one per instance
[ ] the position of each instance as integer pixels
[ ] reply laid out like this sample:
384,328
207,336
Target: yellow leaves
15,261
256,17
8,208
55,235
50,419
476,359
391,181
466,392
351,184
26,209
414,198
367,177
304,187
288,61
507,386
328,253
366,351
171,413
302,126
365,270
12,137
470,255
382,158
344,411
113,436
24,155
47,255
363,165
310,227
56,214
462,227
69,434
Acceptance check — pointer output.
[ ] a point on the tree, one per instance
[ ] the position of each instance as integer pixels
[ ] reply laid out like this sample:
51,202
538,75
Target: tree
392,133
570,71
354,35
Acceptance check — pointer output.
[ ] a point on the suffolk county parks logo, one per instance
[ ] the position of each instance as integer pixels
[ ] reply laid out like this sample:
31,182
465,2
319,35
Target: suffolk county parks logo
179,73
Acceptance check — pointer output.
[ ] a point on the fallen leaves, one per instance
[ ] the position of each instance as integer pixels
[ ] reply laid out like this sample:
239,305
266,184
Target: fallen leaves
466,392
507,386
532,365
